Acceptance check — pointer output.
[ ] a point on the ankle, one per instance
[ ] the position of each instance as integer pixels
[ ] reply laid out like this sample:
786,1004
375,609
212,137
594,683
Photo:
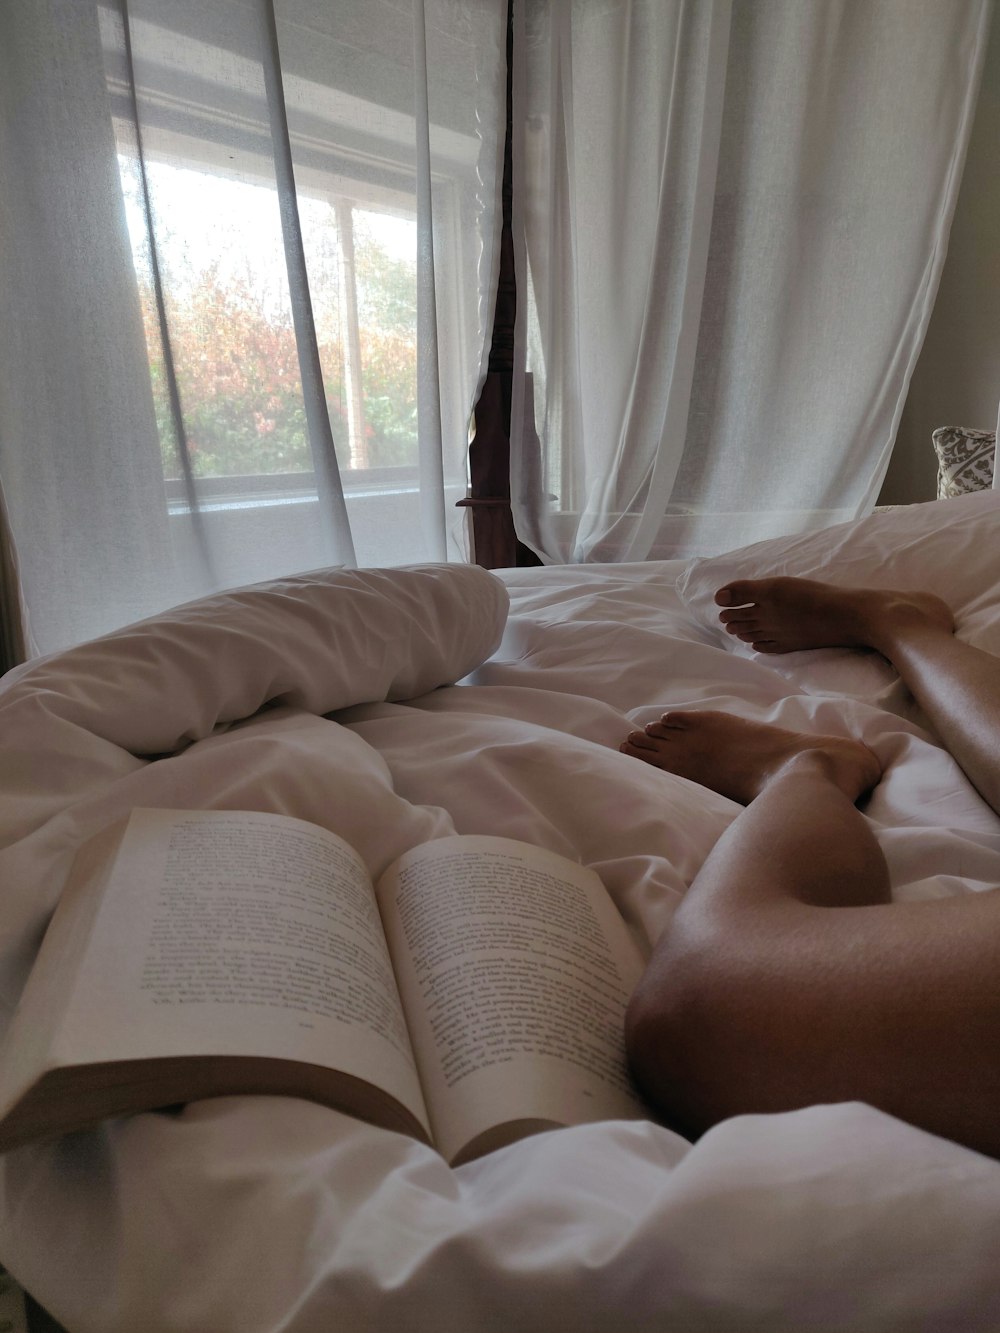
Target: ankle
896,621
849,766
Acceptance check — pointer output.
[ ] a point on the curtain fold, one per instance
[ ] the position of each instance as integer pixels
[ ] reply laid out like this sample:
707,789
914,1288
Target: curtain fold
16,643
732,219
329,486
249,265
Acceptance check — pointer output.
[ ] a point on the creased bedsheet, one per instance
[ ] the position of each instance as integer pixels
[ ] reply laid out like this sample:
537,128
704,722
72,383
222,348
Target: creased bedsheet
330,697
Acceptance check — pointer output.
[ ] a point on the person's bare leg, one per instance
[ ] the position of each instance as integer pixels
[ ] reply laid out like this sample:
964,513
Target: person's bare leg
784,615
956,685
766,994
738,758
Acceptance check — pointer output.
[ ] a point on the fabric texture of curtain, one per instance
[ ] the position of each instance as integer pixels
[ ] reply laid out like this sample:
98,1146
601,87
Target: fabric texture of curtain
731,217
16,643
246,285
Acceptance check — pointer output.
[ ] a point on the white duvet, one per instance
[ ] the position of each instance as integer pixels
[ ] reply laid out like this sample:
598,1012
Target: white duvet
269,1213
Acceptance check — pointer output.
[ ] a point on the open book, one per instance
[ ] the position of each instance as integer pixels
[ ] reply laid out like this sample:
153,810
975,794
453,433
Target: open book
472,996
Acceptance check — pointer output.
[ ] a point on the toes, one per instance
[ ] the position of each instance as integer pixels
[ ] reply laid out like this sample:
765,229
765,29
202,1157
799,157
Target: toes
646,753
638,740
675,721
739,593
657,730
747,630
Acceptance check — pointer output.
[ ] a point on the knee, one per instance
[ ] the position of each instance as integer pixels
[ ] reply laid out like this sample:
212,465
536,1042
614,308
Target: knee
649,1040
672,1051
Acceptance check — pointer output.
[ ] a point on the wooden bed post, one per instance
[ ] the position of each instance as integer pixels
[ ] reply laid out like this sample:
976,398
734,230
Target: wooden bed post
494,540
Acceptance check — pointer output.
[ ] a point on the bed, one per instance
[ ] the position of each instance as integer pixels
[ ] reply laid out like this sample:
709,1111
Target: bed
396,706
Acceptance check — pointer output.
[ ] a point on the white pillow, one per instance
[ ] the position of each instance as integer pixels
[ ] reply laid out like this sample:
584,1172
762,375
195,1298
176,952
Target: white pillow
321,641
948,547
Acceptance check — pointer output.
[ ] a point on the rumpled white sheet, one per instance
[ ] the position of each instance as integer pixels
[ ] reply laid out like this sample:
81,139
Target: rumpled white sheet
269,1213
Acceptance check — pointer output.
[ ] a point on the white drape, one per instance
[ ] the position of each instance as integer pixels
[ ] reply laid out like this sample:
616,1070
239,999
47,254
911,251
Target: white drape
246,285
730,220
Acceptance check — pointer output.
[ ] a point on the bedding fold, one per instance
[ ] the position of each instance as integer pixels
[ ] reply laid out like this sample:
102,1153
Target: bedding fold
320,697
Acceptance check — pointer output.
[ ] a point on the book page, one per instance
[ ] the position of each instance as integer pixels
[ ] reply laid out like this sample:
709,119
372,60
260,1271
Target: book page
47,993
515,969
241,934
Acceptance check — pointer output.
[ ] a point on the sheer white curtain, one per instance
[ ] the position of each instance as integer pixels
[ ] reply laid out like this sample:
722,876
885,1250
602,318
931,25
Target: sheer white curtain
246,286
731,220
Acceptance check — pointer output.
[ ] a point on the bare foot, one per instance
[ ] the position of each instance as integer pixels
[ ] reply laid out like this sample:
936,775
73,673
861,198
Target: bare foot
738,758
784,615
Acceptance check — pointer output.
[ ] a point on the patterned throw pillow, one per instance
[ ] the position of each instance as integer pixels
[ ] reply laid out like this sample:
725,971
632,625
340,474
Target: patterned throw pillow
965,460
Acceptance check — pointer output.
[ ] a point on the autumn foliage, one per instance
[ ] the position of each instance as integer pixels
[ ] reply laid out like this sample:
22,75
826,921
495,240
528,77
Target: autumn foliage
238,377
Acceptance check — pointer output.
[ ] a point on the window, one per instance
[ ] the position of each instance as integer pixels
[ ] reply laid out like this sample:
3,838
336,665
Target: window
208,173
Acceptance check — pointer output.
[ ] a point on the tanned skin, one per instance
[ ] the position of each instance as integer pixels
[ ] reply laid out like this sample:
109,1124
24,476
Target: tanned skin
788,977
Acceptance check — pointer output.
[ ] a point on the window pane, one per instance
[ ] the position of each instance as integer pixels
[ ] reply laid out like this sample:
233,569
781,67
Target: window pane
221,258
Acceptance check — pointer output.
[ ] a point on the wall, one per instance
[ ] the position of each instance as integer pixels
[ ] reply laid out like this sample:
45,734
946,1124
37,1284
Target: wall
956,381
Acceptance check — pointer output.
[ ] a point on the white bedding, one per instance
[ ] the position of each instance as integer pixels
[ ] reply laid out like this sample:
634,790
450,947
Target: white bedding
268,1213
